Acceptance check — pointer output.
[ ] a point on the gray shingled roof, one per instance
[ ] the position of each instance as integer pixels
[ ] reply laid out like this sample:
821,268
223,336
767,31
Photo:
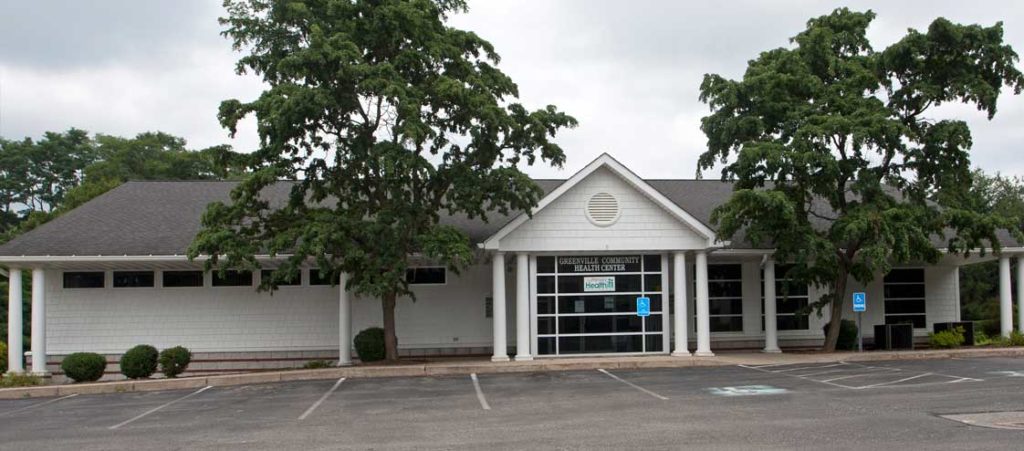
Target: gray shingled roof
161,218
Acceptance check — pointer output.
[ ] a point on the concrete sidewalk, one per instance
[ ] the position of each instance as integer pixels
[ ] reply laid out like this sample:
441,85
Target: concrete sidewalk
482,366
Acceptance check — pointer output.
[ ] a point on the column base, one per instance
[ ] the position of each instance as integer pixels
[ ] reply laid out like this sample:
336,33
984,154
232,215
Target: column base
42,374
772,351
524,358
340,364
499,358
15,372
704,354
681,354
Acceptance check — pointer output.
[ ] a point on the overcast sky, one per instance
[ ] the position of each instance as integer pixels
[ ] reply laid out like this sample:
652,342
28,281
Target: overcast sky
628,71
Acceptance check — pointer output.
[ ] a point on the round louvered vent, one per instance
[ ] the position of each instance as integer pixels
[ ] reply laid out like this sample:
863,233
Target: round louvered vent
603,209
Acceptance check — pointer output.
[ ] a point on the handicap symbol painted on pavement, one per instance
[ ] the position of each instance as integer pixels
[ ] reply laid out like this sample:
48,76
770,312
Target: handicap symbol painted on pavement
747,390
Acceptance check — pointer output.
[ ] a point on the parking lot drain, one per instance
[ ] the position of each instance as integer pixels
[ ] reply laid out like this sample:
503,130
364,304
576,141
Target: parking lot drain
995,420
747,390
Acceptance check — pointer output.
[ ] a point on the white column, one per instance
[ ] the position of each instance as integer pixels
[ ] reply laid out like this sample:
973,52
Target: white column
703,318
344,323
38,322
15,345
771,335
1020,293
679,325
1005,300
523,307
498,307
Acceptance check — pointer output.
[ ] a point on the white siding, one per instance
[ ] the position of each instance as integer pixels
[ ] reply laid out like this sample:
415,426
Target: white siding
563,224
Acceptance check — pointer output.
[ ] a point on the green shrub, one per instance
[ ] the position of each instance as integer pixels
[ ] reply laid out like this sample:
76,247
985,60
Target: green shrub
847,334
317,364
1016,338
84,366
19,380
370,344
139,362
947,339
981,338
174,361
3,357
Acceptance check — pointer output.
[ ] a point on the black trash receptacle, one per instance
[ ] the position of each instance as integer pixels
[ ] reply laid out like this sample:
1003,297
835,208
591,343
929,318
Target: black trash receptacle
894,336
968,327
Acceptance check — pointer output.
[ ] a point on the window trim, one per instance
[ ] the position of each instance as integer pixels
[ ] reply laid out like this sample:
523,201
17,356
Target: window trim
924,298
64,283
113,278
202,278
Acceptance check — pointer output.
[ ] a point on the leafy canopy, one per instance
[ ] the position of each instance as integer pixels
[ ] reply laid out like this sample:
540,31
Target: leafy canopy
836,163
385,118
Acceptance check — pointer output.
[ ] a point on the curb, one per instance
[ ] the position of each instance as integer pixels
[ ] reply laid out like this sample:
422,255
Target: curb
452,369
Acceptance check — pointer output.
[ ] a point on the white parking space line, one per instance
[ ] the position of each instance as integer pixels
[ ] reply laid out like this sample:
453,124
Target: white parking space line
479,392
39,404
321,400
633,385
794,375
808,368
160,407
880,384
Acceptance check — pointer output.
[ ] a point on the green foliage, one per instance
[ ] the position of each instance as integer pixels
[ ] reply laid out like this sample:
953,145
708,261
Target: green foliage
947,339
981,338
84,366
387,117
174,361
3,357
847,335
836,164
139,362
369,344
1016,338
317,364
19,380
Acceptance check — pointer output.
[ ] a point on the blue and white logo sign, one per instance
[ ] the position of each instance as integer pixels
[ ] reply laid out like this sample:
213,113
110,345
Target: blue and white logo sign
643,306
860,302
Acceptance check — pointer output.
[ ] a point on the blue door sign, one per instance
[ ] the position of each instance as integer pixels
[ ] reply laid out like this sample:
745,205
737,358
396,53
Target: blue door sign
643,306
860,302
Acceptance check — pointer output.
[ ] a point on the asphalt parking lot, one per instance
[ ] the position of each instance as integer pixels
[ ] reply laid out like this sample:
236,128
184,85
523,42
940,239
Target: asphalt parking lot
830,405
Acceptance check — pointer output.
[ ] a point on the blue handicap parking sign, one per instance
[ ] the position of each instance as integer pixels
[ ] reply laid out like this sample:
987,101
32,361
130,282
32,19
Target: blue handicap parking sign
643,306
860,302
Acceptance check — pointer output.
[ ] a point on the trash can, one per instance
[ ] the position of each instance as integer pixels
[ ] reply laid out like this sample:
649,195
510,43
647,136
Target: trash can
894,336
968,327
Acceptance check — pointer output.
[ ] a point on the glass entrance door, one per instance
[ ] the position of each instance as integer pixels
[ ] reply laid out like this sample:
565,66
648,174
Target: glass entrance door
588,304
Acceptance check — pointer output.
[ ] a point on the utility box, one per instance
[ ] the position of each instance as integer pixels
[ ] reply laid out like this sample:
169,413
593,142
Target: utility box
968,327
894,336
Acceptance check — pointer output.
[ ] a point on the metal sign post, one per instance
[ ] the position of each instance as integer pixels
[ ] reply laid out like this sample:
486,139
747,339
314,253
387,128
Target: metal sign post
860,304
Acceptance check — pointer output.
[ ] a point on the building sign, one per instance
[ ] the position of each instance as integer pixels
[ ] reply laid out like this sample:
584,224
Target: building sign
643,306
598,284
860,302
607,263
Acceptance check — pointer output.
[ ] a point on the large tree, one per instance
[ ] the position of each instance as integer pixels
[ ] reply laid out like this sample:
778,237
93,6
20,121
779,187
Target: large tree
835,161
387,119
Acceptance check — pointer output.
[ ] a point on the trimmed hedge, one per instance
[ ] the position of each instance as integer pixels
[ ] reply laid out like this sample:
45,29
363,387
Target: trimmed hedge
139,362
947,339
84,366
370,344
174,361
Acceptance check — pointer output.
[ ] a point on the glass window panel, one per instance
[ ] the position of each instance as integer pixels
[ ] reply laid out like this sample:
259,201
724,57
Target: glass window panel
904,291
652,263
732,306
653,323
84,279
545,284
232,278
426,275
905,275
652,282
725,289
917,320
175,279
791,305
725,272
726,323
599,324
545,305
623,303
545,325
654,343
907,306
267,274
792,322
318,277
655,302
600,344
133,279
545,265
546,345
574,284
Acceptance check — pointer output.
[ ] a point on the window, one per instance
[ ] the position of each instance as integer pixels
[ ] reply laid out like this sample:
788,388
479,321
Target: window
83,279
133,279
173,279
232,278
425,276
317,277
266,274
725,297
904,297
790,302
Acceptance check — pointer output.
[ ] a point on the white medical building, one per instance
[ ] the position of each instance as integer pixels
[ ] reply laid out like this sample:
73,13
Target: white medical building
112,274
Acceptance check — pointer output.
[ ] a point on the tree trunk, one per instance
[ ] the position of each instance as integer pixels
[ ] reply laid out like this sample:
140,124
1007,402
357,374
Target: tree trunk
390,339
836,313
